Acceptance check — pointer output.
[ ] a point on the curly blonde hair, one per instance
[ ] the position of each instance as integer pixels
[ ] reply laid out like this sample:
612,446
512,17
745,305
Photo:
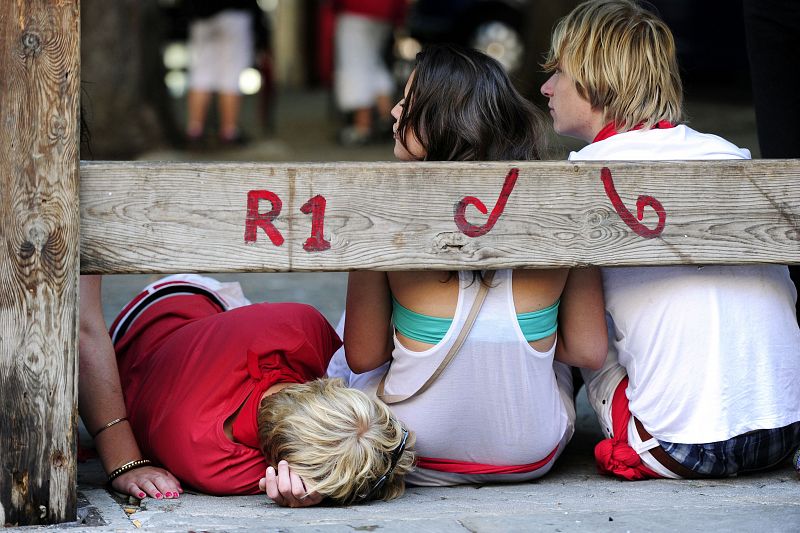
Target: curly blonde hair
337,439
622,58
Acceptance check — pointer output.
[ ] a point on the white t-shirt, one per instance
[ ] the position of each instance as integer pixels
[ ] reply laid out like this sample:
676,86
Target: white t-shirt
712,351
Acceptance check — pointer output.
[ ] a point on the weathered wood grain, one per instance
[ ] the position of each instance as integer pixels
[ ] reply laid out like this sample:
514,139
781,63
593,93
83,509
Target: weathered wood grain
39,62
174,217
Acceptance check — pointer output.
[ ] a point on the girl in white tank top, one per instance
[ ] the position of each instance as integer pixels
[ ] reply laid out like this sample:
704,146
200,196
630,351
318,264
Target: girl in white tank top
501,410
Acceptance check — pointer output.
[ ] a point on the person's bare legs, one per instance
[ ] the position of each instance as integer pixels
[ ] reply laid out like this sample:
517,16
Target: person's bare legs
384,105
362,117
229,106
362,121
198,102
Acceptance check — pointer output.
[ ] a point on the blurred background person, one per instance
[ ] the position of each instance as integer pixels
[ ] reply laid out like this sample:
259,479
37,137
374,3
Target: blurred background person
773,42
221,44
363,84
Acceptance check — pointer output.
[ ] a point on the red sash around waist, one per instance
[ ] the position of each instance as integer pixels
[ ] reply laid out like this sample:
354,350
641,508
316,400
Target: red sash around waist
615,456
464,467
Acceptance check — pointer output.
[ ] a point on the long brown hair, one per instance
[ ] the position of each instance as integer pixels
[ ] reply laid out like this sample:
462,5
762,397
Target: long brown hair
461,106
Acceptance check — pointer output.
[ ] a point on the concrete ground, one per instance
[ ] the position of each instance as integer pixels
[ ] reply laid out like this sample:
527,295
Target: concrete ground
573,497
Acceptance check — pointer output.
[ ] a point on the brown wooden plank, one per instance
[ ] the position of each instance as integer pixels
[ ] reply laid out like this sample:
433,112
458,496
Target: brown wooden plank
172,217
39,61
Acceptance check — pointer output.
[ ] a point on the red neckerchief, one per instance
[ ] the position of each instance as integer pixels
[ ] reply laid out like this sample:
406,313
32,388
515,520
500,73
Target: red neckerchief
609,130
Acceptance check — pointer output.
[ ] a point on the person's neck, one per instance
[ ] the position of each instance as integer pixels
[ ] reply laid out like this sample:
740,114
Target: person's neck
273,389
227,426
610,129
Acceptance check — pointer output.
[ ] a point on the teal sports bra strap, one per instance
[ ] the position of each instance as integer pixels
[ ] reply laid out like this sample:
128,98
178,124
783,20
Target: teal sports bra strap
419,327
432,329
539,324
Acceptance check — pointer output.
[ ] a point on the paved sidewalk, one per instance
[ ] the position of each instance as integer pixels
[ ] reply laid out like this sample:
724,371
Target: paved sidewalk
573,497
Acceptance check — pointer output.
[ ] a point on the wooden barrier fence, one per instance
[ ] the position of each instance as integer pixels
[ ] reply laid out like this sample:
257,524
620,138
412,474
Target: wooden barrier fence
256,217
214,217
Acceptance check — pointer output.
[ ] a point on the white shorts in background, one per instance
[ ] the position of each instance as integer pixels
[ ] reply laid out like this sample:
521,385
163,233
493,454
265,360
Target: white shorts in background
360,73
220,48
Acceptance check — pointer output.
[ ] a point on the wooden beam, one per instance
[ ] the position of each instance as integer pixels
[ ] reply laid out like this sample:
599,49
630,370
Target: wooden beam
39,61
244,217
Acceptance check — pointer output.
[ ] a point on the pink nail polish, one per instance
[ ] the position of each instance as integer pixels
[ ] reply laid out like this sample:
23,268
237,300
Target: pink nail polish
168,495
159,495
142,495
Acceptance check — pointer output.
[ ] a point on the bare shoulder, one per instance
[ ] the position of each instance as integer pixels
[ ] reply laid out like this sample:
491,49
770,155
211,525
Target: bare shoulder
537,288
428,292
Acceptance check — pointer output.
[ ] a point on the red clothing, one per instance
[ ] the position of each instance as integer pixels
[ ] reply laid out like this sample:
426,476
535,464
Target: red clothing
610,129
393,11
614,456
465,467
186,366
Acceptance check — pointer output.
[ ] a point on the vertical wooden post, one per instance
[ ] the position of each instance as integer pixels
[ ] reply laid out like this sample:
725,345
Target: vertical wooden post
39,94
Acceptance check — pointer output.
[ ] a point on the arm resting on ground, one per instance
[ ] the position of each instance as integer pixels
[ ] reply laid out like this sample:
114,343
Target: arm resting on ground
101,401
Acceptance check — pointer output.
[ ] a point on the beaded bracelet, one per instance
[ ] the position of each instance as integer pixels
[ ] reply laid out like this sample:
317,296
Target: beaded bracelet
113,422
131,465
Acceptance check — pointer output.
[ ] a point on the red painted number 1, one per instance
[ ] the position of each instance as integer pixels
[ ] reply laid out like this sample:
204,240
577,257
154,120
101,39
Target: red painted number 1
316,208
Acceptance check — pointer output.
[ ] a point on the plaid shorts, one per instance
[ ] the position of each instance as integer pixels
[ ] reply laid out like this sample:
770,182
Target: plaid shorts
756,450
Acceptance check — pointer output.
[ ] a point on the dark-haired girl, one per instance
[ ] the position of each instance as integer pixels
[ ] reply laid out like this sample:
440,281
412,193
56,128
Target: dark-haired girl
503,409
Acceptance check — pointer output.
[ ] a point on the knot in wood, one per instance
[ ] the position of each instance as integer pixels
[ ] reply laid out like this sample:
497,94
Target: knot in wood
58,459
37,233
31,43
58,127
597,217
452,242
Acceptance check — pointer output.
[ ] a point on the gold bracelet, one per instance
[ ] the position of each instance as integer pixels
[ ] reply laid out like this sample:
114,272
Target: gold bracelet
113,422
131,465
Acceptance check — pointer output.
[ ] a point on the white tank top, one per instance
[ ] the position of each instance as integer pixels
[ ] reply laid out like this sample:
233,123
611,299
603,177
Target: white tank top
497,402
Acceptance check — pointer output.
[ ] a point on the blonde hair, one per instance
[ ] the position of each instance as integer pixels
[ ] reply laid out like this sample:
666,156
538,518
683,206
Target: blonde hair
622,58
337,439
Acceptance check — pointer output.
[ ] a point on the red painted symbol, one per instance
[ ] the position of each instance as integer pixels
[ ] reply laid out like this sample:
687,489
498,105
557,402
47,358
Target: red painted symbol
257,220
472,230
316,208
626,216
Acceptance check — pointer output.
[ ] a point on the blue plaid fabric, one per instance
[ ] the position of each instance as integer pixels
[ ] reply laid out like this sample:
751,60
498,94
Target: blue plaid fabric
796,460
756,450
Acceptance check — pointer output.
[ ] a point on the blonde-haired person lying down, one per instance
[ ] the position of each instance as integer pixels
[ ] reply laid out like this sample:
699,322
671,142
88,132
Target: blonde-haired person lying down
228,398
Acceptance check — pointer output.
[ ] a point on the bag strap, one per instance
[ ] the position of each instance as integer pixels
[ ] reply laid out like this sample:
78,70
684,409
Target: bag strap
462,336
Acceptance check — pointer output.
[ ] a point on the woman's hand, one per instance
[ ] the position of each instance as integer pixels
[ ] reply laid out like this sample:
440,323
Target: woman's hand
148,481
286,488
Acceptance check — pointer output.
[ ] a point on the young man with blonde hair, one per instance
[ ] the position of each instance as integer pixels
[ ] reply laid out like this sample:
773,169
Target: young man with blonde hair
703,373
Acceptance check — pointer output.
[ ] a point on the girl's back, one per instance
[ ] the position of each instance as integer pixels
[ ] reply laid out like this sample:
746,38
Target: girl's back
500,401
436,294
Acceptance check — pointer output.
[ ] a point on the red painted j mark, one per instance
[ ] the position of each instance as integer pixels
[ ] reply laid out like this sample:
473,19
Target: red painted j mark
642,202
473,230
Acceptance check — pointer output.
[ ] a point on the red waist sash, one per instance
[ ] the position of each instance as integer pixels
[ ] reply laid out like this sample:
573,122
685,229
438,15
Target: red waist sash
464,467
615,456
